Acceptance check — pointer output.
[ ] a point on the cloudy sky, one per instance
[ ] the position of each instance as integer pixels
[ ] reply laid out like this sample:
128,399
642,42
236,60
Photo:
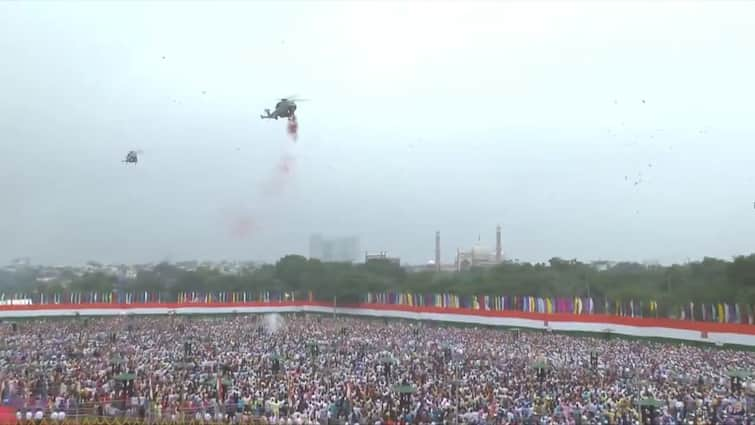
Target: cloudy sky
423,116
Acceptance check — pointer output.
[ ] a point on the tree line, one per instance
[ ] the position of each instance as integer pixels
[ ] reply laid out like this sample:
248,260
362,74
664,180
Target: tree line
709,280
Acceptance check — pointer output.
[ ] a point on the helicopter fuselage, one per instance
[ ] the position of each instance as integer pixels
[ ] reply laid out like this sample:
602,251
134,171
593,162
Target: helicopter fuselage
131,158
283,109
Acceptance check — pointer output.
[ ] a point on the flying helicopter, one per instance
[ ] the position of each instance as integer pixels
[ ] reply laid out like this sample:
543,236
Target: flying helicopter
131,157
285,108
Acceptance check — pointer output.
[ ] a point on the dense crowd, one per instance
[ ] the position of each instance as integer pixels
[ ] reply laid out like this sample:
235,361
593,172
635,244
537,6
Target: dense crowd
317,369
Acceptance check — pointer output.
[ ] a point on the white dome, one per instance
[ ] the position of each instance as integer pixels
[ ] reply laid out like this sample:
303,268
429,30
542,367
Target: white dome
480,251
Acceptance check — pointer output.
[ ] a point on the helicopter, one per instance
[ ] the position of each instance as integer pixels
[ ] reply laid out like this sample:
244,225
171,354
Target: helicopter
131,157
285,108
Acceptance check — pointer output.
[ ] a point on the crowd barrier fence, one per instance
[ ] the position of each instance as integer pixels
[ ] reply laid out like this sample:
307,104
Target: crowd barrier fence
606,325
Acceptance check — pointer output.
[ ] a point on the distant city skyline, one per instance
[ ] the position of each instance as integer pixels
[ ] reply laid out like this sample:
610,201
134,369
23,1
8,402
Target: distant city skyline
345,249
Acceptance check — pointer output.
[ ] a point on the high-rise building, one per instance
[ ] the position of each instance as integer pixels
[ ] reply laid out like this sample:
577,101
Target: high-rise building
337,250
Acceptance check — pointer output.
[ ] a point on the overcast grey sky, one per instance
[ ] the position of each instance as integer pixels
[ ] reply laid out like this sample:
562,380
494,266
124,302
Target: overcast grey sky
423,116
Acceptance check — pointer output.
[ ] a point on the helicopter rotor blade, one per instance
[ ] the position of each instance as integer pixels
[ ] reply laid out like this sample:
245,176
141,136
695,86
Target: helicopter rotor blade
294,98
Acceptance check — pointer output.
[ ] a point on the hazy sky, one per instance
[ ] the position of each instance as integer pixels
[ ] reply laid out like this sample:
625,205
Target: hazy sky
423,116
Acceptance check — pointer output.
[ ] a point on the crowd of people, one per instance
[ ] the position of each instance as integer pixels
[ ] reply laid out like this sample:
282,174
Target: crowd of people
307,369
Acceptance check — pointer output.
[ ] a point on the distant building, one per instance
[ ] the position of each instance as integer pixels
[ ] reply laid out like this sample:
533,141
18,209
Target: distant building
479,255
430,266
187,265
602,265
337,250
381,256
22,261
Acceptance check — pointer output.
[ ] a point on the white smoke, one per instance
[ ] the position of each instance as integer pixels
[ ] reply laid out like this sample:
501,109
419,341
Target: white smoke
273,322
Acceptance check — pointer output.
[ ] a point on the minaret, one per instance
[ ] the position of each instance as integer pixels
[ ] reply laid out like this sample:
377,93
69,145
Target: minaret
498,247
437,251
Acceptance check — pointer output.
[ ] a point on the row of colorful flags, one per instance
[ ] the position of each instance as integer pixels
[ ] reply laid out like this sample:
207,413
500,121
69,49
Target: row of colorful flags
235,297
123,297
575,305
719,312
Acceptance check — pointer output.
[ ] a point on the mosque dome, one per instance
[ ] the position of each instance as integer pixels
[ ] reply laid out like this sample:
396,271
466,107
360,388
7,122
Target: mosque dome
479,251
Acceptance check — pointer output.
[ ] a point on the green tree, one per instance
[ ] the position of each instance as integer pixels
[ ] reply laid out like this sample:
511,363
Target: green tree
741,272
94,282
291,270
706,281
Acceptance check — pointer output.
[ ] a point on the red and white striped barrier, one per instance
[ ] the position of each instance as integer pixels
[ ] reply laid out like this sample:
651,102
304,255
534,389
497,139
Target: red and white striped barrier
722,333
